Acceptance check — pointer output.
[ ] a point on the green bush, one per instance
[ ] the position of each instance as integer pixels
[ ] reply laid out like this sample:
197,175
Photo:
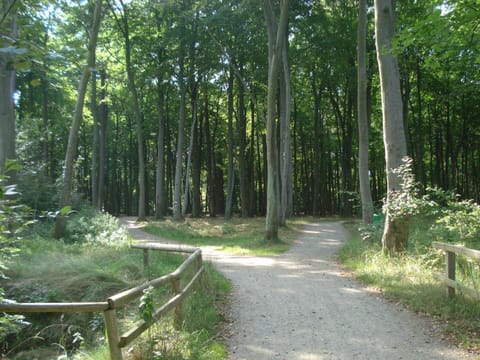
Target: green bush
13,219
92,226
460,223
438,215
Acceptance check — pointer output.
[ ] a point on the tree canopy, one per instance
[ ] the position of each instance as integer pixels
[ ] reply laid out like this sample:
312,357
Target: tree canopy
175,115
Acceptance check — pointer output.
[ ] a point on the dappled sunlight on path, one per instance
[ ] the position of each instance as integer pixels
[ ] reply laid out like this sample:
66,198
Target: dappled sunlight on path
301,306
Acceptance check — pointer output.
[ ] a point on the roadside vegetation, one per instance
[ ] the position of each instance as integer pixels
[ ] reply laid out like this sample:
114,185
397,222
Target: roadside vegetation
408,278
92,262
238,235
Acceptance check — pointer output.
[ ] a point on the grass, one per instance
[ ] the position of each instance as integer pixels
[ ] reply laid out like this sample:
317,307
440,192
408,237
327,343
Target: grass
48,270
408,279
239,236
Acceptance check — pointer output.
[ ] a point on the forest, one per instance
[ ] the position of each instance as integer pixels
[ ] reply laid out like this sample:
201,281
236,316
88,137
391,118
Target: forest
228,110
175,108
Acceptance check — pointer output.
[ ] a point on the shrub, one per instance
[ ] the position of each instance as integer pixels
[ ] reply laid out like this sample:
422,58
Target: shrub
92,226
12,222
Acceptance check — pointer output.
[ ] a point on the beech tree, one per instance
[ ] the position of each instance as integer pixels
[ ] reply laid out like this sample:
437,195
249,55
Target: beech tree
206,61
395,235
363,121
8,50
77,118
277,33
125,29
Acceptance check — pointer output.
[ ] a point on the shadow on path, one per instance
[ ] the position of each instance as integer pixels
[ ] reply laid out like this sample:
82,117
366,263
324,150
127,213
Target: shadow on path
300,306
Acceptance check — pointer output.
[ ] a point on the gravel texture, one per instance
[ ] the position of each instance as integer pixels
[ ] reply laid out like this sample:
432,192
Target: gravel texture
301,306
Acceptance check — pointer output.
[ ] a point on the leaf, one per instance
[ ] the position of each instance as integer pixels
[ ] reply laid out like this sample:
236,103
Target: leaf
65,210
35,82
12,165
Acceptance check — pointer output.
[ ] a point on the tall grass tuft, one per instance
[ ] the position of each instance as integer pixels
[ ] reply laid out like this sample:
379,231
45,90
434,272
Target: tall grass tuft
49,270
408,279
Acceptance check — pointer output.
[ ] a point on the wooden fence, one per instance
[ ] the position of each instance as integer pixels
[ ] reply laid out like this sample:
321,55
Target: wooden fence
117,341
450,260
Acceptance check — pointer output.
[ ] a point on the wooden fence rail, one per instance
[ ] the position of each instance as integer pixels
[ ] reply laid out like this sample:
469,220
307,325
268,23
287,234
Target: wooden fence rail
450,265
117,341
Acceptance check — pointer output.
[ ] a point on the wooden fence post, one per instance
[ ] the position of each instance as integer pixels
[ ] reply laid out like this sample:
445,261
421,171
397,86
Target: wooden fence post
450,264
112,334
145,263
177,313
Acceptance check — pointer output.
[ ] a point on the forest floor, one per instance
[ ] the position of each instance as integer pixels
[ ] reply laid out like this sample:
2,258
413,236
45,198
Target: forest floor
302,305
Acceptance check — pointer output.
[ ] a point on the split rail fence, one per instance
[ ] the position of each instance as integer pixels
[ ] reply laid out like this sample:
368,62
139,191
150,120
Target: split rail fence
111,305
450,268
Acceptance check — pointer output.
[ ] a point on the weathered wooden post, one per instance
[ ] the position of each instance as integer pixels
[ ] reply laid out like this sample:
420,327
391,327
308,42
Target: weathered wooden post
112,334
177,313
450,270
145,263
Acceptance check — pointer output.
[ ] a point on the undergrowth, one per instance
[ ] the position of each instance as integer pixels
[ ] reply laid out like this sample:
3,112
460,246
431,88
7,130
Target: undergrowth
93,262
408,278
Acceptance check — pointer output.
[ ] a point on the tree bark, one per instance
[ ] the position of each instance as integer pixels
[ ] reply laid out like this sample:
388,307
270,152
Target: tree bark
230,157
160,168
395,235
96,140
242,143
286,197
77,117
186,197
276,40
177,195
102,140
363,121
7,88
138,118
211,200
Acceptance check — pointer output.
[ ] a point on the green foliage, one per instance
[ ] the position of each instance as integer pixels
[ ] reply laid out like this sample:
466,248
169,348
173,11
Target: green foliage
404,202
146,306
409,278
92,226
203,315
51,270
13,220
37,194
459,222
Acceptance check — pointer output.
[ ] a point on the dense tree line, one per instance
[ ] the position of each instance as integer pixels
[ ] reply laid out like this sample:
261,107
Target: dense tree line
176,112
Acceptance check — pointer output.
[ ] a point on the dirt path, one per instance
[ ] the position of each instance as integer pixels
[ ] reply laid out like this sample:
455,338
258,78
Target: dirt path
300,306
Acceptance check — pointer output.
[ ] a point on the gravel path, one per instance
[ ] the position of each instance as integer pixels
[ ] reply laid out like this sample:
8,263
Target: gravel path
300,306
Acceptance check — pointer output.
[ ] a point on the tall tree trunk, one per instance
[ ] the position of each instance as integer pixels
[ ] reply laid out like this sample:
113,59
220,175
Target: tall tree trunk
77,117
96,140
197,163
45,136
141,211
103,118
363,121
286,197
251,162
160,201
212,206
186,197
7,88
177,195
242,143
276,40
419,134
231,145
316,203
395,235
